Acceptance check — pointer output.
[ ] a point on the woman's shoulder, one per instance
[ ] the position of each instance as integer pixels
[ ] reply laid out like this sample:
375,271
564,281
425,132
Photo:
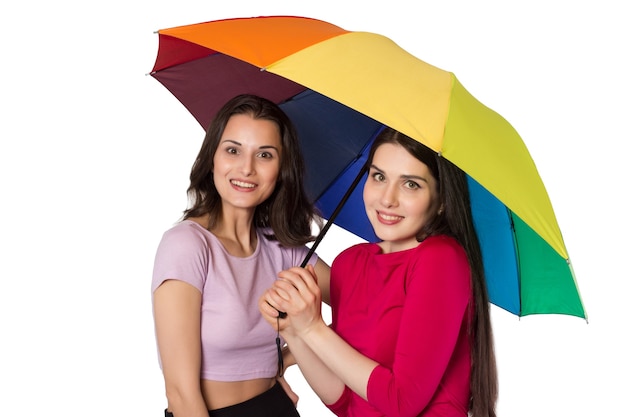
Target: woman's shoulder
185,227
358,250
187,233
441,248
441,242
271,245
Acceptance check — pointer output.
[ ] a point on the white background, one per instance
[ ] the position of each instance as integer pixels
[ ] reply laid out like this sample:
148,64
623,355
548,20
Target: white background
95,156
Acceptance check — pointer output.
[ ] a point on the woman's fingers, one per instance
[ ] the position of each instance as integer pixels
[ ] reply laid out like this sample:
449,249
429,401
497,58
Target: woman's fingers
283,289
275,300
295,292
300,278
268,312
290,393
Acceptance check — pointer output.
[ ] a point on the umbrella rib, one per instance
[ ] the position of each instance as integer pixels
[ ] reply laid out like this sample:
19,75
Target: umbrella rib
517,260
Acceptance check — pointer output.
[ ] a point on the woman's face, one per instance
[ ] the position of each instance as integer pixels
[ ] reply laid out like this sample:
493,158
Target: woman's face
246,164
400,197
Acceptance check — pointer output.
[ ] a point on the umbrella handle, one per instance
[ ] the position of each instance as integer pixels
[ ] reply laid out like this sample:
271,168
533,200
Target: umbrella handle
332,217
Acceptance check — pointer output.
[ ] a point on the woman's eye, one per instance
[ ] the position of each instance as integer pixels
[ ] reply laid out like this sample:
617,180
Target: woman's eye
266,155
231,150
412,185
378,176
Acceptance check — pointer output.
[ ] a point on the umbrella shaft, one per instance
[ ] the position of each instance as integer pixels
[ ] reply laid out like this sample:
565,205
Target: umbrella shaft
332,217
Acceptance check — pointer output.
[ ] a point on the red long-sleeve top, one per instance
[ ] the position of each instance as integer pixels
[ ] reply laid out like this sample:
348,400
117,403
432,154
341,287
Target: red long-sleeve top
409,312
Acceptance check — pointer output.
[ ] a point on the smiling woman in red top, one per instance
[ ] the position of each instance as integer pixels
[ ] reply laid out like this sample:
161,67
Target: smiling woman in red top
411,332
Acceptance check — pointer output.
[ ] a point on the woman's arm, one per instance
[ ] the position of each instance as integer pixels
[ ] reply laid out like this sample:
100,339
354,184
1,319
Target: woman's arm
323,381
322,276
433,311
177,325
430,329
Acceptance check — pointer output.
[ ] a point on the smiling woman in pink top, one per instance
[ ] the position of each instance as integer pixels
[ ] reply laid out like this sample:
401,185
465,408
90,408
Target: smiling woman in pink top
248,220
411,332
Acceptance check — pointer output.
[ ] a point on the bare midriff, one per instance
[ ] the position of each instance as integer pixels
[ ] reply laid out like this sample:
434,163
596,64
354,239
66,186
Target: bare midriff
218,394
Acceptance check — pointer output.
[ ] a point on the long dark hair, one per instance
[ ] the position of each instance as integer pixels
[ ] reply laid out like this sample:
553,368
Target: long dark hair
456,220
288,211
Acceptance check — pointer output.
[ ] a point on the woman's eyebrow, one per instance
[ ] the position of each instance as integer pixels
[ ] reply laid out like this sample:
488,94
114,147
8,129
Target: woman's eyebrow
406,176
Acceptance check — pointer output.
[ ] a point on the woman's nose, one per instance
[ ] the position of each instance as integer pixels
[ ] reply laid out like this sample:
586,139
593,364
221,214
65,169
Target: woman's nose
389,197
247,165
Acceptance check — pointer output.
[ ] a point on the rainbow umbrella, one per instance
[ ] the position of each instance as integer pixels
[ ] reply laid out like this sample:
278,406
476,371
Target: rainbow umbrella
340,88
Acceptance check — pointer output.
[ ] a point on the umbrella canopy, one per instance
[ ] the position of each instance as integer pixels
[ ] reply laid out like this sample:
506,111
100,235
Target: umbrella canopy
341,88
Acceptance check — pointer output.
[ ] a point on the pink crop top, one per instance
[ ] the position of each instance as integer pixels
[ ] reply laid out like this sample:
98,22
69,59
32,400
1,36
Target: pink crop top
237,343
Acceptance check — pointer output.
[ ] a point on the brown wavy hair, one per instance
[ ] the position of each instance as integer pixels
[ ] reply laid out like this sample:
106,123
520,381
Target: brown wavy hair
287,211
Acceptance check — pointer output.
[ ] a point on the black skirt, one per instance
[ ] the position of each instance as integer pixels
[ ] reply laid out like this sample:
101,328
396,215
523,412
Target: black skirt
272,403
